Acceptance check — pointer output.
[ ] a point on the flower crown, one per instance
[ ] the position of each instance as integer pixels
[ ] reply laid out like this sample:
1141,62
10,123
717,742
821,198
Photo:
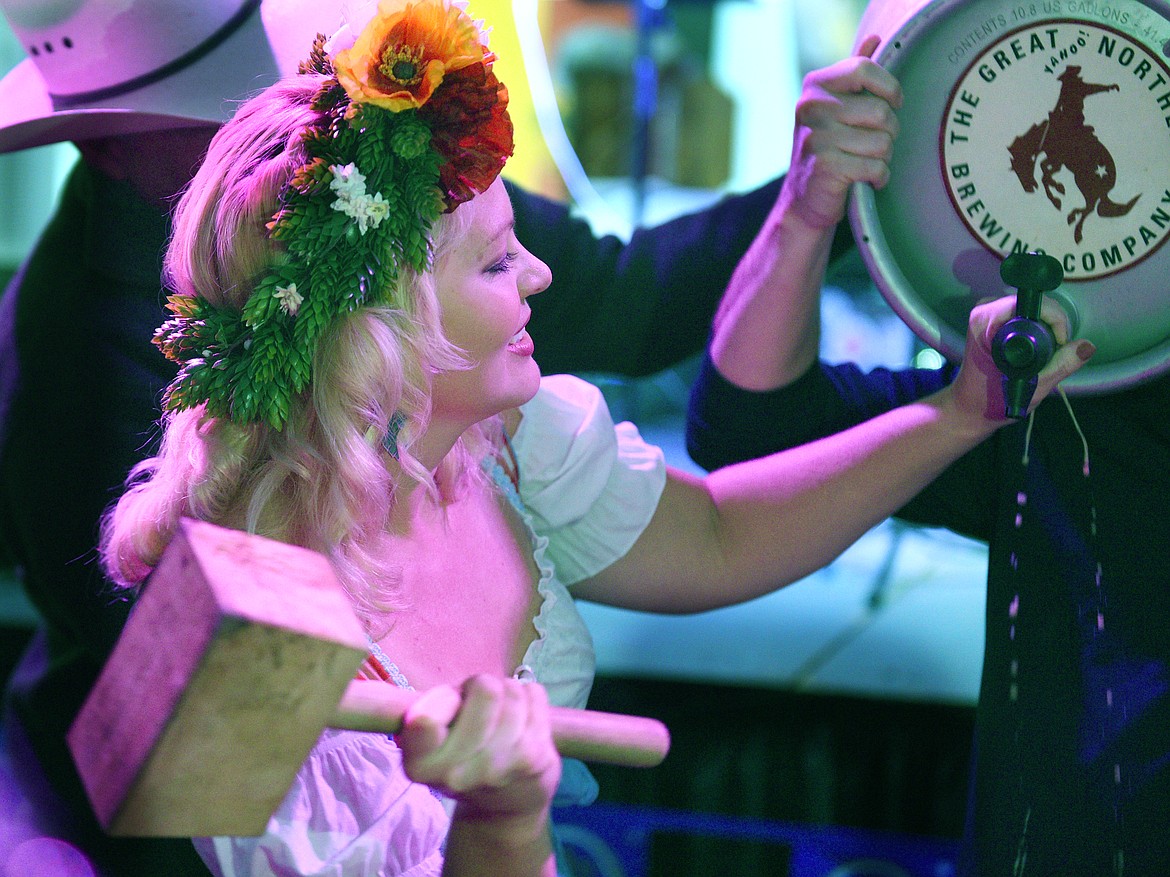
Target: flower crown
414,124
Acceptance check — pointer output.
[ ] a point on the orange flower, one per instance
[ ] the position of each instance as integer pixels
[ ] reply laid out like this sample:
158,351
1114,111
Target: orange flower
403,55
430,56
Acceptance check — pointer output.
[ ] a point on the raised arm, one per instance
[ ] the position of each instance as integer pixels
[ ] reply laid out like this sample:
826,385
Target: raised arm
767,328
760,389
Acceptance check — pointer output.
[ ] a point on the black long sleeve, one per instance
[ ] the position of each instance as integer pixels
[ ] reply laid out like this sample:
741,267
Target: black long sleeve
632,308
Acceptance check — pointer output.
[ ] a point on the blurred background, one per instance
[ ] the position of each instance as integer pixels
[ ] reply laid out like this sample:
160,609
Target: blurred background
824,730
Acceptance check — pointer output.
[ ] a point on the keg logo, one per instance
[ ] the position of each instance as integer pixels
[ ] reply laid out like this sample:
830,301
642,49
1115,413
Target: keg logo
1057,139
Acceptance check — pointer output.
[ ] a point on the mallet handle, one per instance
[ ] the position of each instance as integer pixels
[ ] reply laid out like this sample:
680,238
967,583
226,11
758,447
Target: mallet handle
631,741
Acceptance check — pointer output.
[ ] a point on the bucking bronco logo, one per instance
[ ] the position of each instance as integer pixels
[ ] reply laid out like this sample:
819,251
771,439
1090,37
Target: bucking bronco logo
1063,140
1057,138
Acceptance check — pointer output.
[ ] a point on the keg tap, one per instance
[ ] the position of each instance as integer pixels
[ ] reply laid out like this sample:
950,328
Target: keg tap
1025,344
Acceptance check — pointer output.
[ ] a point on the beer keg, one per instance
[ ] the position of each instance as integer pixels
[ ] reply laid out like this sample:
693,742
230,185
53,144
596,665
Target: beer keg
1028,126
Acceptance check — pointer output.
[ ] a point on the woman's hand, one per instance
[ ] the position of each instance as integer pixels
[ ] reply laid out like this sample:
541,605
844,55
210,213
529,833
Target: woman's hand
977,391
489,746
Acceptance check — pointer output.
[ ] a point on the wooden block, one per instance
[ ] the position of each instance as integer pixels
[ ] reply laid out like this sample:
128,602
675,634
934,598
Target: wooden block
235,656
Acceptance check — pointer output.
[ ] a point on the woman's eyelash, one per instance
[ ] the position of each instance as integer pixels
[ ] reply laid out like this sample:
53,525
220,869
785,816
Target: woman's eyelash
505,264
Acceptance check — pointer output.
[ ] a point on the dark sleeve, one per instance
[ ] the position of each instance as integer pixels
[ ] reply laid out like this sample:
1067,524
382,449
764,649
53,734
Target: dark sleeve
726,424
639,307
79,389
81,386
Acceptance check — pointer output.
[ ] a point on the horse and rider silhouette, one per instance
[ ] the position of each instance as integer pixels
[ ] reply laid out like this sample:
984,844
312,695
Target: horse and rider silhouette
1063,140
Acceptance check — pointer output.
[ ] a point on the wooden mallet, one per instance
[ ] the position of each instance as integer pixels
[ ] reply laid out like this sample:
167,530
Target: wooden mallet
238,653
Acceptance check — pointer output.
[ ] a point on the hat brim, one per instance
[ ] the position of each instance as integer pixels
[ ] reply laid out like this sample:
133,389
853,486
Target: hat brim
27,117
207,92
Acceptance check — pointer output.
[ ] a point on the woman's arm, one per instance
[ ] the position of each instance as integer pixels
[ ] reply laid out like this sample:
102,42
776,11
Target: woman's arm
756,526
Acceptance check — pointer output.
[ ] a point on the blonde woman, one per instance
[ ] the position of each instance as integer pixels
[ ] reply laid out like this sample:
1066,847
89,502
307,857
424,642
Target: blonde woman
349,314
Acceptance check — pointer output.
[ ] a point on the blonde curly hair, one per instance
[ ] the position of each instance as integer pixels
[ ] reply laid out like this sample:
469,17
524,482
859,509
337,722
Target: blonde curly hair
322,481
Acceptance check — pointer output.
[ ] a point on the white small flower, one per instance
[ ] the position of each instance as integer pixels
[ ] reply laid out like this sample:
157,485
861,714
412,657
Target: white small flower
348,182
369,211
290,300
353,200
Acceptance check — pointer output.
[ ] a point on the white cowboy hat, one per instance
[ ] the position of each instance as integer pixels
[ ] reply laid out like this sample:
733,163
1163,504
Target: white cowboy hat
103,67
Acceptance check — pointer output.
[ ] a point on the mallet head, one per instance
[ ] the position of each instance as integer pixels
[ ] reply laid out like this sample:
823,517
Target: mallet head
232,663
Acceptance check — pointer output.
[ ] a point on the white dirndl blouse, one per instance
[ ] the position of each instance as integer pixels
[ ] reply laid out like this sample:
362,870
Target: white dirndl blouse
587,490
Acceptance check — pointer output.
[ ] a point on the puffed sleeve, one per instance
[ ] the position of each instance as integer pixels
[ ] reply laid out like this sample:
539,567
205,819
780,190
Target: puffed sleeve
590,486
351,810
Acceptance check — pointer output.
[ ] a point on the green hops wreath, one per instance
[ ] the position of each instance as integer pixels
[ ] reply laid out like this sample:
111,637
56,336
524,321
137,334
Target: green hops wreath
350,219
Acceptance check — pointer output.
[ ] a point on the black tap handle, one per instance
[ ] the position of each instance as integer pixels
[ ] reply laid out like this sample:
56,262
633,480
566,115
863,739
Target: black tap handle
1024,344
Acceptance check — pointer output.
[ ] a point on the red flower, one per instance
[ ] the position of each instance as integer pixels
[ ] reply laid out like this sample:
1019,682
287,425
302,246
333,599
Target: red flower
471,129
